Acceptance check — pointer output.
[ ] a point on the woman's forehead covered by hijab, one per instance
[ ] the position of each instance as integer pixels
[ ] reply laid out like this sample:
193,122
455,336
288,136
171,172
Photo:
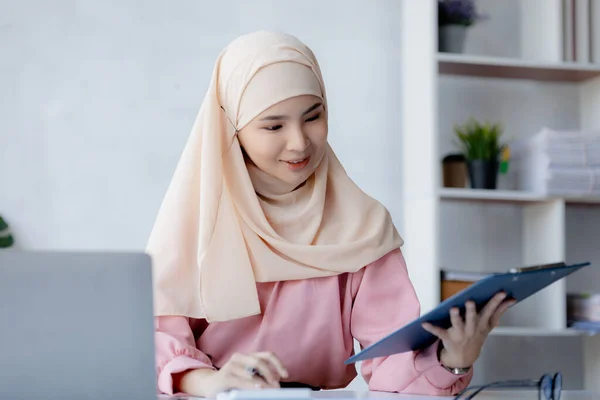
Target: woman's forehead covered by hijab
275,83
259,70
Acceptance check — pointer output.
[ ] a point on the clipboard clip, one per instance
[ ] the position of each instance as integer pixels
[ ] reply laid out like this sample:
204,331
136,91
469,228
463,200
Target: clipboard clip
536,267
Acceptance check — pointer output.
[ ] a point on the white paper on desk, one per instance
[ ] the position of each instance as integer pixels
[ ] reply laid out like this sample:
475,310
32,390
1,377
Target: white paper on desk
399,396
302,394
275,394
267,394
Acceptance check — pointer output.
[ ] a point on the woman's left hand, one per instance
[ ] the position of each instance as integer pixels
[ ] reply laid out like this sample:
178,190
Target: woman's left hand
462,342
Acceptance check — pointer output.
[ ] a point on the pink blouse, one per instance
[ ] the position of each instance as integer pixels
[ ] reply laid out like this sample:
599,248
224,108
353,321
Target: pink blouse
310,326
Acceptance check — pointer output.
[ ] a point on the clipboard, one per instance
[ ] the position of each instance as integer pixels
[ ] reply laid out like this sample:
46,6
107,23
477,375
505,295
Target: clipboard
518,283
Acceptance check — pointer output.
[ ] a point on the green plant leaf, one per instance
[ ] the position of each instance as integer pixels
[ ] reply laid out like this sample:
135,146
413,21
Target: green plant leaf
479,140
6,239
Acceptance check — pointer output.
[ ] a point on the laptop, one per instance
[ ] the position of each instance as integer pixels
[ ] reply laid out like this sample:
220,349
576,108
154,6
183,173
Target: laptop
76,325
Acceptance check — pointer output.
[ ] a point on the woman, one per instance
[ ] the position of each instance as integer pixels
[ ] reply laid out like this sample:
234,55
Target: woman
269,260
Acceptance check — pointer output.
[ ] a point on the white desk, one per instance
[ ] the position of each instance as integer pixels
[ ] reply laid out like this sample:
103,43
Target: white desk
486,395
489,395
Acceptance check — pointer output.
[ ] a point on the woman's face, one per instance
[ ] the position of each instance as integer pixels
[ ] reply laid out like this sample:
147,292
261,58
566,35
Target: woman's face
287,140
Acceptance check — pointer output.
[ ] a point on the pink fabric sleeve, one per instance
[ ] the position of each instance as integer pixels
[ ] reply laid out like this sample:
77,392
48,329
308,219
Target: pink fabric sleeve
176,350
385,300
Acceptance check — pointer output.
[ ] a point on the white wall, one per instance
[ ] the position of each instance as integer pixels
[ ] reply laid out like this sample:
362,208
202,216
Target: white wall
99,97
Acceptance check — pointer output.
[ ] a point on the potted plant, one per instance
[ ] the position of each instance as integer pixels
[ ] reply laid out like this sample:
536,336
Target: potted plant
6,238
454,18
481,147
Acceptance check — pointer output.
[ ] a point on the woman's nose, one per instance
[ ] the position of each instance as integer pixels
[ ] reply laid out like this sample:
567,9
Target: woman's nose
298,141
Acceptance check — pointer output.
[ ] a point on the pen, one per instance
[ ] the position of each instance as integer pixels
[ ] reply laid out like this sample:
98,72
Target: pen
254,372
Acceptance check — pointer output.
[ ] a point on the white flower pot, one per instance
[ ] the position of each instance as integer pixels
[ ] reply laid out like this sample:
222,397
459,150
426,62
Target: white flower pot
451,38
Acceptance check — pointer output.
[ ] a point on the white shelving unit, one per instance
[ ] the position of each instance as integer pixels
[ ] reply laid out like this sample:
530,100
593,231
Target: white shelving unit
492,230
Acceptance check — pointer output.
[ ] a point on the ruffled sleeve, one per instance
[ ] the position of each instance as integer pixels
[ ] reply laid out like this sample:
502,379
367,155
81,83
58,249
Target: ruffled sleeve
385,300
176,350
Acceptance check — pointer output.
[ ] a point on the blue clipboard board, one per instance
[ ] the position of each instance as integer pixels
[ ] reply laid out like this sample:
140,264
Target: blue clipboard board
517,283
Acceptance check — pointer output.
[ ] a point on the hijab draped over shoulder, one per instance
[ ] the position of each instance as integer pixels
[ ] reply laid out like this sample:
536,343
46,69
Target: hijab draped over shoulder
223,225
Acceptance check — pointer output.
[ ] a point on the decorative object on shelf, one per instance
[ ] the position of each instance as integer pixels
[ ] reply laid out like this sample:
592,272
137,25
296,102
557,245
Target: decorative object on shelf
6,238
583,312
559,162
454,18
583,307
454,171
453,282
483,152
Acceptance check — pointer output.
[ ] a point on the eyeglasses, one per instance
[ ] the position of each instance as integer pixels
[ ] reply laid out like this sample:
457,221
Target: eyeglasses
549,387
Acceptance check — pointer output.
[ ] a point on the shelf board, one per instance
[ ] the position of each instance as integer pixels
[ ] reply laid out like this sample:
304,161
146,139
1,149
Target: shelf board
497,196
509,68
582,200
525,331
509,196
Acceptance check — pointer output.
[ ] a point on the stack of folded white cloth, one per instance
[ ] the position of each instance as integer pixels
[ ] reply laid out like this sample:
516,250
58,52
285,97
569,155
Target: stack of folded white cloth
562,163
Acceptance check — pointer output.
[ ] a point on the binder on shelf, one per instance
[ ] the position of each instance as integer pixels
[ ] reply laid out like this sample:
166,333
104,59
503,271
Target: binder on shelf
517,283
452,282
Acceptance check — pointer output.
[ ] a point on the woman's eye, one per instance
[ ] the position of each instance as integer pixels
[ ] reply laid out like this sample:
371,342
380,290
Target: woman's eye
313,118
273,128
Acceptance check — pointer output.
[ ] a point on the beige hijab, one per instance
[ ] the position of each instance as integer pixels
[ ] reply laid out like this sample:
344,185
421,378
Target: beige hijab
223,225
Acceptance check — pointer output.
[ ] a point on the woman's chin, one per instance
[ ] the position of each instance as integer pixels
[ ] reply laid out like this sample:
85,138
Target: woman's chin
298,181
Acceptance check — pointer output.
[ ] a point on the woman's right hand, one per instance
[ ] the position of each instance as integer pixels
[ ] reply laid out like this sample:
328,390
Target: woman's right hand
235,374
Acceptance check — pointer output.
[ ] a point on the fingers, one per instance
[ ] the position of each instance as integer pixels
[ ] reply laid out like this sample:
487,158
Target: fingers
272,358
473,321
456,319
495,318
434,330
470,317
263,367
490,308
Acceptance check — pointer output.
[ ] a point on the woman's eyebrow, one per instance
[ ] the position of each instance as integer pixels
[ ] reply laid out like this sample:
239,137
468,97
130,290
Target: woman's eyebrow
313,107
284,117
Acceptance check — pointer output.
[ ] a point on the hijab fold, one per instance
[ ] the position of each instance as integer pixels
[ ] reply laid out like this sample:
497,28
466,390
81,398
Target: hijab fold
224,225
